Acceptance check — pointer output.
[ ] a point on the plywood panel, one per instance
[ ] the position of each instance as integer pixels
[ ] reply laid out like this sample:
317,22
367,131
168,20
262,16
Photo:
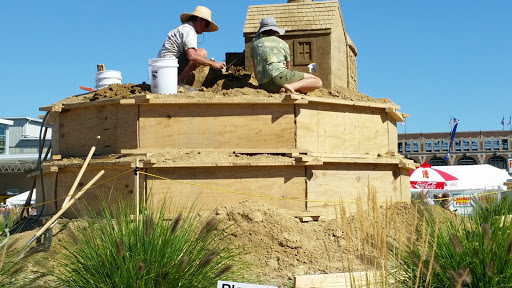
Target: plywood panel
393,136
330,183
329,128
108,189
217,126
116,125
211,187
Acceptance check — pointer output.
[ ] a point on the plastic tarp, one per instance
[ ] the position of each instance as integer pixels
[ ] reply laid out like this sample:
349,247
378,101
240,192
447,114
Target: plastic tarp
20,199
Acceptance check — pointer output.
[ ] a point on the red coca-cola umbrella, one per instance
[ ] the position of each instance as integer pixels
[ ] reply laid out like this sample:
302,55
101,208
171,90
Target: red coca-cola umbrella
428,178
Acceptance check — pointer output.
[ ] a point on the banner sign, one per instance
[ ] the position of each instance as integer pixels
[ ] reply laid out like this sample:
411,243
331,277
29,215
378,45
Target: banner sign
462,200
226,284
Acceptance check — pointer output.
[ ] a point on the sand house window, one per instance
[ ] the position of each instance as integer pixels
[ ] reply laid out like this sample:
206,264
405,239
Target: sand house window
303,52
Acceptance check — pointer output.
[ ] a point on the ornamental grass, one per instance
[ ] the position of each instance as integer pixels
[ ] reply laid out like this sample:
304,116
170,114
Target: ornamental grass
115,249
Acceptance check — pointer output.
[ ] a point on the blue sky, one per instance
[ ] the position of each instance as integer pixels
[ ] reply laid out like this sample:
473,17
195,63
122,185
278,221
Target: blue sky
435,59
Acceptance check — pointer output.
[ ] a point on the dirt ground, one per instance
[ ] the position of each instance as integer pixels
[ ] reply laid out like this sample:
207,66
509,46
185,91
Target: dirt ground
279,245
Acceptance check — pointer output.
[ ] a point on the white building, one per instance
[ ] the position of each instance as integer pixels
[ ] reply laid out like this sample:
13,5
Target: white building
19,153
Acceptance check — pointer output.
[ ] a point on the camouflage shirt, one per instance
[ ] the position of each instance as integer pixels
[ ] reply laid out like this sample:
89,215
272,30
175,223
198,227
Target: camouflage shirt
270,55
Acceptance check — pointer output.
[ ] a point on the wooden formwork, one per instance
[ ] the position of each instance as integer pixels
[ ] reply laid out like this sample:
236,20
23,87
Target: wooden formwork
329,149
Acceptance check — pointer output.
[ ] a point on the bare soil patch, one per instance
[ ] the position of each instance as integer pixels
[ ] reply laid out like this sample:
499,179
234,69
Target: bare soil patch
278,245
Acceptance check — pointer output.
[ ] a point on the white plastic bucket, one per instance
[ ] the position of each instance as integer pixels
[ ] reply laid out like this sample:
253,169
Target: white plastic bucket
163,75
107,77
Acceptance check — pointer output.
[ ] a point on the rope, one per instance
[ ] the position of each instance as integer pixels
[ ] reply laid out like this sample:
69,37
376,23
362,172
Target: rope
137,170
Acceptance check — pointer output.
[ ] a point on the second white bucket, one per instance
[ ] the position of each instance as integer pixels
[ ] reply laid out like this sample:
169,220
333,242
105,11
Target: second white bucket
163,75
107,77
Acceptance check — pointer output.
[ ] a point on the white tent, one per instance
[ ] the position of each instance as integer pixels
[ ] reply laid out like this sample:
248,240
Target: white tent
484,176
465,181
20,199
459,177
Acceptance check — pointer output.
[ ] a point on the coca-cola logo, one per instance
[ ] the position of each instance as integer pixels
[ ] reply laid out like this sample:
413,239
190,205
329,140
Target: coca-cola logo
429,185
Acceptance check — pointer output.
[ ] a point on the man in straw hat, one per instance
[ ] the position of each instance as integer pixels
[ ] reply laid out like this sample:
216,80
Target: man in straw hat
181,42
271,61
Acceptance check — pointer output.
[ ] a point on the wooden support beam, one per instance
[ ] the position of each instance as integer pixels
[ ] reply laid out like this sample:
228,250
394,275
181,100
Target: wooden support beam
395,114
349,102
362,160
154,163
100,67
149,151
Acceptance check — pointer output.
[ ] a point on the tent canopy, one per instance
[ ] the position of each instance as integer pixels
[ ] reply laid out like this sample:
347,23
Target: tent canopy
459,177
20,199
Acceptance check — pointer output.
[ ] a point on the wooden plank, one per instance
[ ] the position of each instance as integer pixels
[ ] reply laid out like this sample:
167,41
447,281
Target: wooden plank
392,135
217,126
330,183
395,114
208,188
227,151
154,163
133,99
115,124
369,160
55,134
347,279
350,102
328,128
102,193
53,107
407,164
226,101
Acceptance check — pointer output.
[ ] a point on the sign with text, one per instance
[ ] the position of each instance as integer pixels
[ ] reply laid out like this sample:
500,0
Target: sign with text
462,200
226,284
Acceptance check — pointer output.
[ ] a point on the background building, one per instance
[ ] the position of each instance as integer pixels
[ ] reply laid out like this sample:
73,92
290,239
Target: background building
19,152
468,148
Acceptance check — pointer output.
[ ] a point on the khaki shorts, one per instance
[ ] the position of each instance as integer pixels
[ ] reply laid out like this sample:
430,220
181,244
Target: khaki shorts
275,84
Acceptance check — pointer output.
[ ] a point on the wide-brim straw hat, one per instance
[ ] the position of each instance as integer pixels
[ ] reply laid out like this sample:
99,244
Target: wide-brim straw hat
269,23
201,12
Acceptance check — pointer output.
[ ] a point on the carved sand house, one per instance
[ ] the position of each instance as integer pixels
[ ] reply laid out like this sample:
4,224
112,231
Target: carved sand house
298,152
315,33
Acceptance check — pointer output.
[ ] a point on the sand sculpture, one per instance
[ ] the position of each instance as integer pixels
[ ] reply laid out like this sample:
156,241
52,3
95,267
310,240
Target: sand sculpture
229,142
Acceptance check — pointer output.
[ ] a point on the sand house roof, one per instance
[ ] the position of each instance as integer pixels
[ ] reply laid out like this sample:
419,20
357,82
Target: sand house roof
319,15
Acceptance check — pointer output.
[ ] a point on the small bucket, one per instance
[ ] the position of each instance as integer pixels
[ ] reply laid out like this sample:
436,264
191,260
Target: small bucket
163,75
107,77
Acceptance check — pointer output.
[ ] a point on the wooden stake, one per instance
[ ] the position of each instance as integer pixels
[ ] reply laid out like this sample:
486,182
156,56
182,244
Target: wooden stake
61,211
137,188
100,67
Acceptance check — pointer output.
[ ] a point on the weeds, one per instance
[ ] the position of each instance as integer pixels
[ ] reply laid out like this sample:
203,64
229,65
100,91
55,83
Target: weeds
116,250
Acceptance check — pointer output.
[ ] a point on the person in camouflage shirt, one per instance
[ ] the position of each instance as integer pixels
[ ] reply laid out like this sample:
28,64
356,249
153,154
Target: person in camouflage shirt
271,61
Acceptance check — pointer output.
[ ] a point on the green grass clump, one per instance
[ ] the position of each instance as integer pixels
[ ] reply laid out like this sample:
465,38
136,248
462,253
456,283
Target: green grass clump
116,250
448,250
